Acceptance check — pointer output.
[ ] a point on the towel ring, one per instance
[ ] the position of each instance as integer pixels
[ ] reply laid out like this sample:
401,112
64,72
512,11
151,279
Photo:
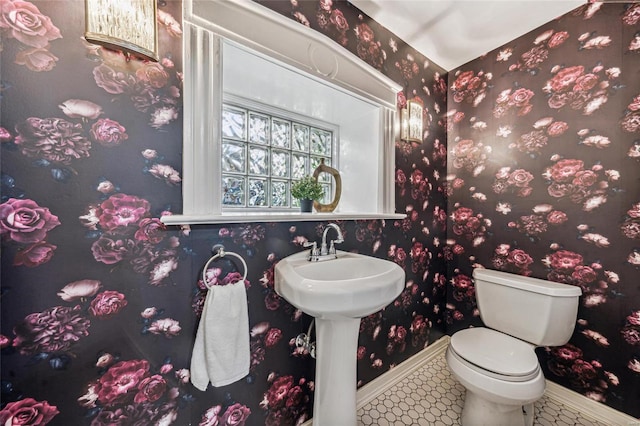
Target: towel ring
220,252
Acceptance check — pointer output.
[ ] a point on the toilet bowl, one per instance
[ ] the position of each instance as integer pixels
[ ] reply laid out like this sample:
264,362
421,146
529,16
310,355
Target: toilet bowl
500,372
497,386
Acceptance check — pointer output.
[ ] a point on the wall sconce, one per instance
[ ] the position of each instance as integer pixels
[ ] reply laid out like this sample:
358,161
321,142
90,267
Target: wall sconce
127,25
411,122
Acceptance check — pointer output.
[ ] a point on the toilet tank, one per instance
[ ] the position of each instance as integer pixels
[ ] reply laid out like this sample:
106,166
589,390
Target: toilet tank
540,312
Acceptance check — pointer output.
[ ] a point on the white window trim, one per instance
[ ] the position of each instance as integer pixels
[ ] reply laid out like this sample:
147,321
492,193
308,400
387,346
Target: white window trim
206,22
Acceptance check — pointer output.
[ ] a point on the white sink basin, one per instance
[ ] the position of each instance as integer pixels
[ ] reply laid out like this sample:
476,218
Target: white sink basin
352,286
337,292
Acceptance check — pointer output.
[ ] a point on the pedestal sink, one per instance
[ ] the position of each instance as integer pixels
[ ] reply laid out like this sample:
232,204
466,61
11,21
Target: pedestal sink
337,292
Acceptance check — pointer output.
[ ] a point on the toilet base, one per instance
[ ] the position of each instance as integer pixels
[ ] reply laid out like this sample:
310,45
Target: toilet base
478,411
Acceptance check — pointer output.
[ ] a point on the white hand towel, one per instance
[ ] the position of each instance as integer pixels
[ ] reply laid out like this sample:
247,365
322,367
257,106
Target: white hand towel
221,353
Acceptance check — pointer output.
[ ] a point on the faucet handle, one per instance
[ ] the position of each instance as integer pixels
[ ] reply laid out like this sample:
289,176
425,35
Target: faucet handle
314,249
332,243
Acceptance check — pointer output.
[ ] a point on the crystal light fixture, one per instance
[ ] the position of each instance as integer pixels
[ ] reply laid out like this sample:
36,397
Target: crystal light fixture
411,122
127,25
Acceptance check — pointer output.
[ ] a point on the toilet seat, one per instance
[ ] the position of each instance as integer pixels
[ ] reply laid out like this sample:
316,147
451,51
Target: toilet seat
499,355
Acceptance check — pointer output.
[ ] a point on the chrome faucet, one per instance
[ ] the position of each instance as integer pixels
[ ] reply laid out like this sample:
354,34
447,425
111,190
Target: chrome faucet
332,249
324,253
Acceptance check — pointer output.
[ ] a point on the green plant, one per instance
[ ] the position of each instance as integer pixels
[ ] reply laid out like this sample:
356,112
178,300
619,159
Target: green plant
307,187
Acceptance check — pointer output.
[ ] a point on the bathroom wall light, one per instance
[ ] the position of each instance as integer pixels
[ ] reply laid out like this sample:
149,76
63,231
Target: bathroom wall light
127,25
411,122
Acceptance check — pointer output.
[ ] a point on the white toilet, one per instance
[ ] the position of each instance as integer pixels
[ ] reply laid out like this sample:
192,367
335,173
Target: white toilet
497,364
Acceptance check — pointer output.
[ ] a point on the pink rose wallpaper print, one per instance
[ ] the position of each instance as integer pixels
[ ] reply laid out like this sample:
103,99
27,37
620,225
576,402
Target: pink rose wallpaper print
529,163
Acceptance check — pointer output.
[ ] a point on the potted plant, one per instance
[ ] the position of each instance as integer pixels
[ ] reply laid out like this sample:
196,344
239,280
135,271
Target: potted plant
307,190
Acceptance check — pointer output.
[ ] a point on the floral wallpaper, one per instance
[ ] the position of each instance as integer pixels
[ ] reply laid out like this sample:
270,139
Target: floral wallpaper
529,166
100,300
544,151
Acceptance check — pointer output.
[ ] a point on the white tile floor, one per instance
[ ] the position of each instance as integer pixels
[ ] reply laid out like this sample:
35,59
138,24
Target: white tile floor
430,396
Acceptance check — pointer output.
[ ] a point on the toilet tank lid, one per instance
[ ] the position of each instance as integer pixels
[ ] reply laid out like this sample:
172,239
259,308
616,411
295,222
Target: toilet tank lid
534,285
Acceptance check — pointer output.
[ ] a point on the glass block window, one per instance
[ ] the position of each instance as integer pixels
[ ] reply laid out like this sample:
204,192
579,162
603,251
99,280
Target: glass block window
264,152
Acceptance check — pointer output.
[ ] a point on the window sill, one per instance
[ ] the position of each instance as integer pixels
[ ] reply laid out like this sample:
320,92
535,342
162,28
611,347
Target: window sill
243,217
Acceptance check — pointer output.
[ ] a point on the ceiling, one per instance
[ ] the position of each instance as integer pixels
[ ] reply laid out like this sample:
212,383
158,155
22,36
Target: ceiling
452,32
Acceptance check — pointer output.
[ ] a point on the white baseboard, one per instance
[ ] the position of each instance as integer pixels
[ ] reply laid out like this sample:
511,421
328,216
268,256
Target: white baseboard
588,407
578,402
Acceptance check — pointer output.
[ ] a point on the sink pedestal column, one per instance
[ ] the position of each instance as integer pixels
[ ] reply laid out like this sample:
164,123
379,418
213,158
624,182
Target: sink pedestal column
334,403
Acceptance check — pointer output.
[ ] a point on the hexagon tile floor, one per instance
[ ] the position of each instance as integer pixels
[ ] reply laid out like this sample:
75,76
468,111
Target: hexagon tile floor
430,396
